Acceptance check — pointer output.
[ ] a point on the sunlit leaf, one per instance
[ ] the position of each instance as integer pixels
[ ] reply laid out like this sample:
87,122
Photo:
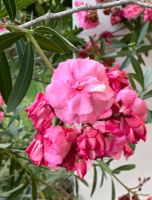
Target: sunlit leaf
57,38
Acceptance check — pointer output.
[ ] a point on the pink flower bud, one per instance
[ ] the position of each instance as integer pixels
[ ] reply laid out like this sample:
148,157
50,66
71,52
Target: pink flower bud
81,168
40,112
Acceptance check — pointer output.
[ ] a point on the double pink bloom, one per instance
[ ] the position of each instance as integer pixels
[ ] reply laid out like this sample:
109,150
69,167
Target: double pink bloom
100,117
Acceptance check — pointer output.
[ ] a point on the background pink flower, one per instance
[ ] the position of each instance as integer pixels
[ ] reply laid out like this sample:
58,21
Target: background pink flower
86,19
148,14
79,91
1,101
132,11
1,116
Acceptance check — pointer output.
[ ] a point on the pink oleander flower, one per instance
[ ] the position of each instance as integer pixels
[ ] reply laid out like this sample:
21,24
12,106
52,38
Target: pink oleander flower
148,14
82,94
131,104
131,11
36,150
2,30
150,198
88,50
57,144
40,112
118,79
137,129
128,151
117,17
115,145
1,116
107,35
86,19
1,101
91,144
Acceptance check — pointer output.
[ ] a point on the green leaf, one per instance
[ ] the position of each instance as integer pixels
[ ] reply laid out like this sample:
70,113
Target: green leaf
103,177
83,181
113,194
125,63
94,184
144,49
148,77
5,77
76,186
23,80
47,44
124,168
147,95
20,45
138,70
132,82
20,4
8,39
34,189
149,116
10,6
57,38
104,167
143,32
16,191
117,54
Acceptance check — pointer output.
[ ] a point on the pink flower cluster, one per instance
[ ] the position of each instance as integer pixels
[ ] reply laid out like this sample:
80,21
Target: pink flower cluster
86,19
1,113
130,12
100,116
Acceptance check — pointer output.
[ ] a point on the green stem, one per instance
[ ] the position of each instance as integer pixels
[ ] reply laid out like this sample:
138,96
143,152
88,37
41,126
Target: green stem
121,183
39,50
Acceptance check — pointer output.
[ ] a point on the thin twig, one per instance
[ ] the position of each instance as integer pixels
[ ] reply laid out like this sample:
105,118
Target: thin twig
51,16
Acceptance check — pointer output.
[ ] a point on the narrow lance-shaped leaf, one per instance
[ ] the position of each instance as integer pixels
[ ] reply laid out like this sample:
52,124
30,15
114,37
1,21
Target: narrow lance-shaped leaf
5,77
47,44
58,38
10,6
148,77
138,70
113,193
124,168
20,4
34,189
23,80
20,45
94,184
143,32
8,39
